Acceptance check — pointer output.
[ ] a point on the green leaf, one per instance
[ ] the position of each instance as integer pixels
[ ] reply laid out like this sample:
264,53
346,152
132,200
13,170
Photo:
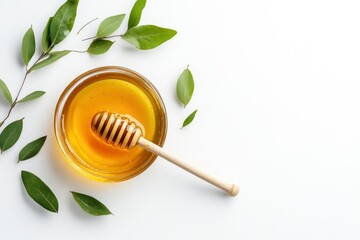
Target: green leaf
148,36
189,119
46,39
28,46
90,204
52,57
109,25
31,149
63,21
4,89
39,191
10,135
32,96
136,12
99,46
185,86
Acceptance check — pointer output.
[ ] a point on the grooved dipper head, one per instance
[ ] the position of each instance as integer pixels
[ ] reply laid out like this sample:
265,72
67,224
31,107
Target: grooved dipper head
116,129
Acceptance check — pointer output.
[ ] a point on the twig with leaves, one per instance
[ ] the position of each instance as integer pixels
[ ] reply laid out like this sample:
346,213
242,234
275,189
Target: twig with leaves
143,37
56,30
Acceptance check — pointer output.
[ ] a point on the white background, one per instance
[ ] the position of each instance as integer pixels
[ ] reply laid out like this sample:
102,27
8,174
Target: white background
277,88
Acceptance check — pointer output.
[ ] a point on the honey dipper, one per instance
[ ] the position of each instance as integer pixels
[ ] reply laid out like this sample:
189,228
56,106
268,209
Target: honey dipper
121,132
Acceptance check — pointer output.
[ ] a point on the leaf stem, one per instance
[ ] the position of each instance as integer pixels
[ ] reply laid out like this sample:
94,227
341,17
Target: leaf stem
77,51
15,100
87,24
89,38
27,72
112,36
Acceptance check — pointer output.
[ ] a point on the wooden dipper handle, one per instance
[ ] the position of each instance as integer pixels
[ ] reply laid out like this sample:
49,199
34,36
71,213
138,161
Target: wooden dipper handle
231,189
119,131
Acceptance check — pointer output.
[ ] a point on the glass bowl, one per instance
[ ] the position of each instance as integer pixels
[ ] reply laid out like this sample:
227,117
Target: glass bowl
113,89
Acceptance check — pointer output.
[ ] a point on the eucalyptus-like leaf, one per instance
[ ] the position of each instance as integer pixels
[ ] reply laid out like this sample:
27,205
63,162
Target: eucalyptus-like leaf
39,191
109,25
185,86
51,58
28,46
46,39
189,119
31,149
5,90
31,96
99,46
148,36
10,135
135,14
63,21
90,205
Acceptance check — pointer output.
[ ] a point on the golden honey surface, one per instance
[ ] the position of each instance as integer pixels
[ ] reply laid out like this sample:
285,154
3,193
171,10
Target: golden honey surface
92,156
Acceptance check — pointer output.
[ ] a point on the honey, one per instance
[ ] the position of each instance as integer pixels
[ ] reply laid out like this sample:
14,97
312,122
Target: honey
111,89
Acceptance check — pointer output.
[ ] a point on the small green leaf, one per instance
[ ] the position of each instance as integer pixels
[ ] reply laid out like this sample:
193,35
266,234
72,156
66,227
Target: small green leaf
39,191
10,135
31,149
5,90
63,21
99,46
109,25
46,39
28,46
52,57
136,12
189,119
185,86
148,36
32,96
90,204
